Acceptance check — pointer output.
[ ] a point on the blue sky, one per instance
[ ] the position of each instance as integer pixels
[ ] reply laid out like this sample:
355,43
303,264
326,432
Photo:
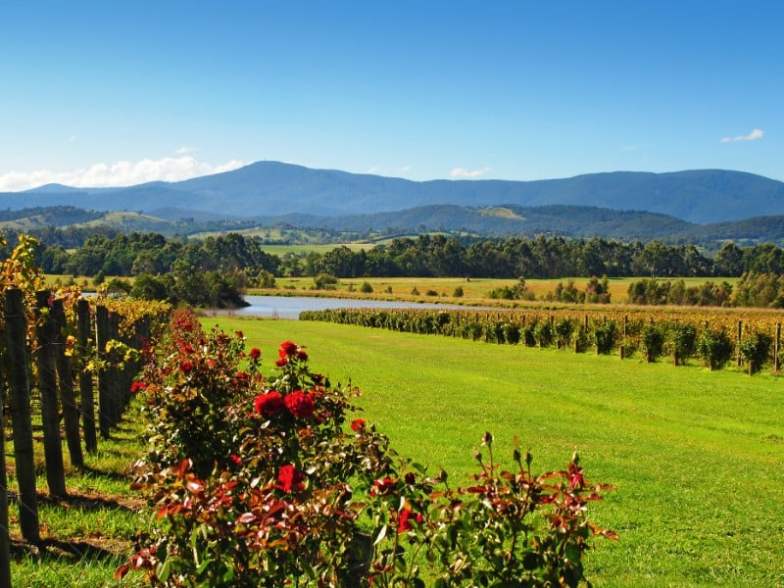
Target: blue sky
119,92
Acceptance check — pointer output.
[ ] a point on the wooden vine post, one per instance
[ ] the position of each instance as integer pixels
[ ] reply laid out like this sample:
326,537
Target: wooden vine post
623,337
777,349
85,338
115,374
21,419
5,539
47,386
65,378
738,339
104,391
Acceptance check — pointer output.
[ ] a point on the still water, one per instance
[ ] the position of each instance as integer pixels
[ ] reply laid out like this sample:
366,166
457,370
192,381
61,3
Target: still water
289,307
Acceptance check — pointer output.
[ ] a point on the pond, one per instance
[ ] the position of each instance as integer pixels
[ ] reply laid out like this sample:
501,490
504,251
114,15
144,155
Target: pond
289,307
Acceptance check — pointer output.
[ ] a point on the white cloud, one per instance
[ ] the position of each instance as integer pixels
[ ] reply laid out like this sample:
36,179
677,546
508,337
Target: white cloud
120,173
186,150
754,135
461,172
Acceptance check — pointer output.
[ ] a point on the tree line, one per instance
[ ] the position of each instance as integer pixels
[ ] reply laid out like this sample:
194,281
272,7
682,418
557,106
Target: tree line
423,256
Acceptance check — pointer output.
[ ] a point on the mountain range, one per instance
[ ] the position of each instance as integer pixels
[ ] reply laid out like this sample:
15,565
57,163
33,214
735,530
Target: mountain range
268,188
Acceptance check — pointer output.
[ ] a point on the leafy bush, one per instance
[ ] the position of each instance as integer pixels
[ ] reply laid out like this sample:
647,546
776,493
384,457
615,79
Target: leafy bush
652,341
458,292
366,288
604,335
715,348
683,342
250,482
325,282
755,349
563,331
544,333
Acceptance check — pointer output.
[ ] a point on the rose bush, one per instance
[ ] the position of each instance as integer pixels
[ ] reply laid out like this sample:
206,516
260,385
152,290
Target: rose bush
269,482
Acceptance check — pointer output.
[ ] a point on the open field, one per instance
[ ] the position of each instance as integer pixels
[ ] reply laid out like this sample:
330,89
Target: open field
89,534
475,290
695,455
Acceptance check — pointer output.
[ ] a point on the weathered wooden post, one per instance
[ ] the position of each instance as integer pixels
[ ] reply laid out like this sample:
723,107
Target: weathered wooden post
115,373
101,338
5,539
623,337
65,380
47,386
738,339
19,385
86,337
777,349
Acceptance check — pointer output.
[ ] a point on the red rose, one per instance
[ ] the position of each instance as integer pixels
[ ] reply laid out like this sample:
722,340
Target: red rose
241,376
289,479
255,354
186,366
281,362
301,355
404,519
268,404
287,349
383,486
300,404
410,478
358,425
236,459
137,386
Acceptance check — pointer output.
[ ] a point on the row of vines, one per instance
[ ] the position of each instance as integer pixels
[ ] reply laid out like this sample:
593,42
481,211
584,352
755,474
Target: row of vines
716,339
67,365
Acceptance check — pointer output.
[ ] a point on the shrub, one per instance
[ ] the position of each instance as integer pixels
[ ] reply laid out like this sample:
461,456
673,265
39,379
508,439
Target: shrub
683,342
366,288
458,292
652,340
431,293
755,348
414,291
563,331
544,333
715,348
250,481
604,335
325,282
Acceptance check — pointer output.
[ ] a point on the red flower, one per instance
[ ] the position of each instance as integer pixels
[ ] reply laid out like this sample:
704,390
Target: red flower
301,355
287,349
186,366
358,425
281,362
241,376
138,386
300,404
383,486
268,404
404,519
289,478
235,459
255,354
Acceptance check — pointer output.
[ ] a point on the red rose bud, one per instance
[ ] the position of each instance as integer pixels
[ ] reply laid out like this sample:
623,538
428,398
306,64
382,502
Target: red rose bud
235,459
301,355
255,354
405,518
358,425
300,404
186,366
138,386
281,362
289,478
268,404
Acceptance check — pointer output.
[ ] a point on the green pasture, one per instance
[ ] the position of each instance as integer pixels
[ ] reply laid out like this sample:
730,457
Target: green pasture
697,458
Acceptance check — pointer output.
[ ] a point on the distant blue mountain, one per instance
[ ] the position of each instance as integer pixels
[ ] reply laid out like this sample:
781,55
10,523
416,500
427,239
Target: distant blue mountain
269,188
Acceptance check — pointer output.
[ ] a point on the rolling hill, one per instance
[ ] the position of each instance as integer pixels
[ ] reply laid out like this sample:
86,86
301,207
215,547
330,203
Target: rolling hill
269,188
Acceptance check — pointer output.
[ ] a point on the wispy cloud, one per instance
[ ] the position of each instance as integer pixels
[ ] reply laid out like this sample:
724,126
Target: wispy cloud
754,135
120,173
461,172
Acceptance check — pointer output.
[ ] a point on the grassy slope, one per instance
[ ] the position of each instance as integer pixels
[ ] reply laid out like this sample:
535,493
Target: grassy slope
696,456
89,534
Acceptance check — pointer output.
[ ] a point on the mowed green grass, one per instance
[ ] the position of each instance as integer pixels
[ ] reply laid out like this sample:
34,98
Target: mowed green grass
697,458
89,534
